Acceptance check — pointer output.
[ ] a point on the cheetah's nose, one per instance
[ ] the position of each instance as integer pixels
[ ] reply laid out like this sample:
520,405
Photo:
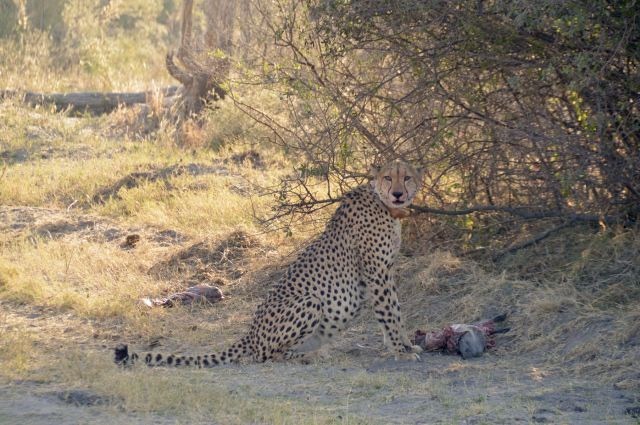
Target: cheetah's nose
397,194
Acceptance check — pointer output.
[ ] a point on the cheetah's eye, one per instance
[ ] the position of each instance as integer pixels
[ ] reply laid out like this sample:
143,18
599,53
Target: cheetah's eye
407,178
387,178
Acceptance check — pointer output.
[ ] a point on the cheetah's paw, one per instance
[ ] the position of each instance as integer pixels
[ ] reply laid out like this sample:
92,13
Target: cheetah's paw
411,357
410,353
416,349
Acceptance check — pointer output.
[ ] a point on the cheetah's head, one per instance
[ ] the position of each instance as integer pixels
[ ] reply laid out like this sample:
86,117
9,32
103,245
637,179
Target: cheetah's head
396,183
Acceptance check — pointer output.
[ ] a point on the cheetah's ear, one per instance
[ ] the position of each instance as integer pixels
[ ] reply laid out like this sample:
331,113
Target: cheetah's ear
420,170
374,170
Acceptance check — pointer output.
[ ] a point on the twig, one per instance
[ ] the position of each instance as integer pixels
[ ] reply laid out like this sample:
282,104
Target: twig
306,204
521,212
532,241
3,169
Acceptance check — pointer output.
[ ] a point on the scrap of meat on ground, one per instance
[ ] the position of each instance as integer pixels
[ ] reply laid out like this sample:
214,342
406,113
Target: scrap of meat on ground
193,294
468,340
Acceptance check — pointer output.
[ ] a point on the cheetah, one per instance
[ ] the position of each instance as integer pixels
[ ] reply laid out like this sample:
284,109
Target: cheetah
349,265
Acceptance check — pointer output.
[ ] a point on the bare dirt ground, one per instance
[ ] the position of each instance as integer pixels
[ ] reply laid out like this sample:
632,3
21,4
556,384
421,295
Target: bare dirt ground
358,387
439,390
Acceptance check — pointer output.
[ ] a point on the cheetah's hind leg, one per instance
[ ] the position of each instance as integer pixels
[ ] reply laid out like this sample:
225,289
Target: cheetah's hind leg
307,349
288,324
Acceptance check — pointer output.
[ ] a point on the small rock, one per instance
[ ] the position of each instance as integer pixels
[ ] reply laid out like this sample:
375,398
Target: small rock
634,412
542,416
81,398
571,406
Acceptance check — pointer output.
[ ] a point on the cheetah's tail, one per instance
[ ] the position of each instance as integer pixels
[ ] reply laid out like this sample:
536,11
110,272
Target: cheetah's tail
235,352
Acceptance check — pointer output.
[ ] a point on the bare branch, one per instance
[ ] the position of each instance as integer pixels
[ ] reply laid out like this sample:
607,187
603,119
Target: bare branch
532,241
187,12
522,212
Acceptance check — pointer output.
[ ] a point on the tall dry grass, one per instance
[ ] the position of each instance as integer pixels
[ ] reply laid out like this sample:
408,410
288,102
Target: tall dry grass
83,45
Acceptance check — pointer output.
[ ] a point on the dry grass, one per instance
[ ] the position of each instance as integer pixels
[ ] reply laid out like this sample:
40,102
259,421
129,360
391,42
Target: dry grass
17,352
192,397
91,279
85,45
572,303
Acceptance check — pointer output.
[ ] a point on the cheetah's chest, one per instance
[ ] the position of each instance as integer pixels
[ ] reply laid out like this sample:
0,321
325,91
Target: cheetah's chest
396,236
390,235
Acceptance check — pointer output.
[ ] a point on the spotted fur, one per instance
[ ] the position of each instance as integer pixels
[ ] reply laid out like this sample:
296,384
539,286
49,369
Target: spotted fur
349,265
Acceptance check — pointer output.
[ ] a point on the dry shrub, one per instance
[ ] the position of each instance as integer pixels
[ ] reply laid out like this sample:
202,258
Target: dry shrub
496,100
191,135
135,122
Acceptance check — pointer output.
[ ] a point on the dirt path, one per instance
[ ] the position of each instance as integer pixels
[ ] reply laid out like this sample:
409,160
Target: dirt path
361,389
38,404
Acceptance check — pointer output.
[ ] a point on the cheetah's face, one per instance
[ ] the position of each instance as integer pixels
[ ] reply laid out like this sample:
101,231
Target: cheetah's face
396,183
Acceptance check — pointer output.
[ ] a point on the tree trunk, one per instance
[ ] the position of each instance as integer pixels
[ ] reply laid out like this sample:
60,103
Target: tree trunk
202,67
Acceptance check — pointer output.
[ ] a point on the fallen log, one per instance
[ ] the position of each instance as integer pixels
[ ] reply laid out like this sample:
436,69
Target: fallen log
95,103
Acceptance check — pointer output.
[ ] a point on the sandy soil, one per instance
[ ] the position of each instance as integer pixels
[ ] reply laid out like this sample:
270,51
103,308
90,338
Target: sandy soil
438,390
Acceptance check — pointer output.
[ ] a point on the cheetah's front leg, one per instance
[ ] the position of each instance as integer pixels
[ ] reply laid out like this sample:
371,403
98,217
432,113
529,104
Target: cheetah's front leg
387,312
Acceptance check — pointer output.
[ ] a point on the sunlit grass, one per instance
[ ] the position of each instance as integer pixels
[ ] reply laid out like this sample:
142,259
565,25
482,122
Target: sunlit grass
89,278
203,205
17,352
